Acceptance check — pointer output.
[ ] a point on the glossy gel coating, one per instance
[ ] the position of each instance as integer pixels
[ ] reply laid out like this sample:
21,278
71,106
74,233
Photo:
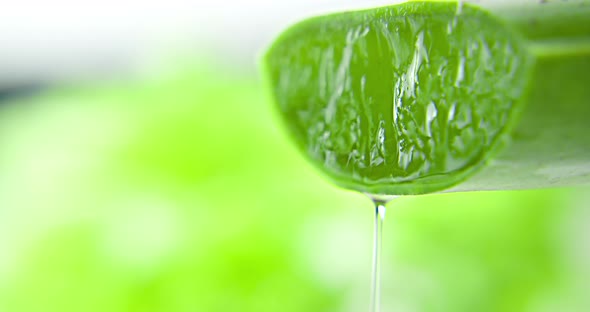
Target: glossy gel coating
405,99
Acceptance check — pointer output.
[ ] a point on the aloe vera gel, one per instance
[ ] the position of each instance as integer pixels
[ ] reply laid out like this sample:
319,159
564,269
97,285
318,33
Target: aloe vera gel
422,97
427,96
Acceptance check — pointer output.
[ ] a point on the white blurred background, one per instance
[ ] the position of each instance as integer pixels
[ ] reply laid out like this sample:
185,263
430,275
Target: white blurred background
48,40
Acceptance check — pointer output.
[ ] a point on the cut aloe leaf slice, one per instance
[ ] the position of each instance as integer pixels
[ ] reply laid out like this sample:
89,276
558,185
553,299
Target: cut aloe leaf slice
417,97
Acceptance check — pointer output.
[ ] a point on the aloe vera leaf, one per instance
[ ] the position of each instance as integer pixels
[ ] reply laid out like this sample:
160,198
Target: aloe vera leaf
417,97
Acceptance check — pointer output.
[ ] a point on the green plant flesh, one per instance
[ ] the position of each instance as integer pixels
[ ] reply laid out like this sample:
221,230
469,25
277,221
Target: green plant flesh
416,97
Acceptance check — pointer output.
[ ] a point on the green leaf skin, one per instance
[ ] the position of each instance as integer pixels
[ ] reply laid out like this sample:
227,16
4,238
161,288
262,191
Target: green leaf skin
417,97
550,143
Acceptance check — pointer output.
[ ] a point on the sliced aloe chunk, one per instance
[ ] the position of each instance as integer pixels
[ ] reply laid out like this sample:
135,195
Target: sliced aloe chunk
417,97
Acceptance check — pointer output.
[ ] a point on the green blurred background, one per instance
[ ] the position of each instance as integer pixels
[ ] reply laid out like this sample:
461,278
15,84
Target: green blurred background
180,192
175,189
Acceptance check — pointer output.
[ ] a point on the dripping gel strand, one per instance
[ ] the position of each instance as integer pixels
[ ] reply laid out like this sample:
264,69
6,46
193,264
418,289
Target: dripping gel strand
377,242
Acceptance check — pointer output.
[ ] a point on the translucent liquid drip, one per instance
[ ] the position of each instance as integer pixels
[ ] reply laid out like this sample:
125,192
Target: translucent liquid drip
377,240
